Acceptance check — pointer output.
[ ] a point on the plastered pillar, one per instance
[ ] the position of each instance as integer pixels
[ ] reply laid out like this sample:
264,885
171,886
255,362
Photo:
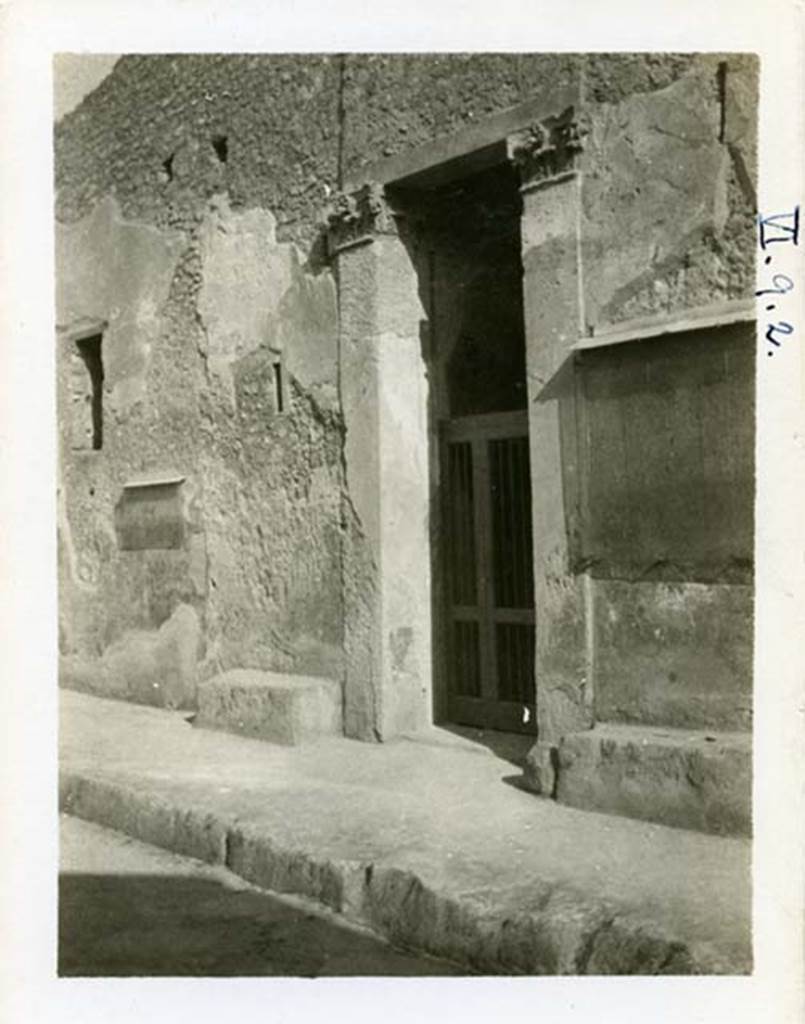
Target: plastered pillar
546,155
383,387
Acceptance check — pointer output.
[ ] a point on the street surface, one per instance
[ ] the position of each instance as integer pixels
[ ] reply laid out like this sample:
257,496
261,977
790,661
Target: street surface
127,909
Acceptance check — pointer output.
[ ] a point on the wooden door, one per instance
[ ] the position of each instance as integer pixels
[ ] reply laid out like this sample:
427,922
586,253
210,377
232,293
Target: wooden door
489,572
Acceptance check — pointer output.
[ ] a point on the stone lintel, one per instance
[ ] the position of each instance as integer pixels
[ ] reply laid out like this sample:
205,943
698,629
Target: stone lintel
470,149
82,327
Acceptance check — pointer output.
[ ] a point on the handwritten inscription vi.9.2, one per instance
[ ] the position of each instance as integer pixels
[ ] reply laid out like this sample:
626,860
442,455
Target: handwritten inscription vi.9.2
778,235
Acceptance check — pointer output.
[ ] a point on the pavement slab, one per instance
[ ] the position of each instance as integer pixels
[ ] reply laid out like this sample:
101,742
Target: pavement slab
431,845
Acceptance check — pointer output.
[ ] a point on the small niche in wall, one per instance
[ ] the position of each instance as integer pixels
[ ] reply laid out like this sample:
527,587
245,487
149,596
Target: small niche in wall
279,386
150,513
87,392
220,144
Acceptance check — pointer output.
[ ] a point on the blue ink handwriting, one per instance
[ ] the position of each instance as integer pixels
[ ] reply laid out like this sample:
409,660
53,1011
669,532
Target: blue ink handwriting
776,229
779,227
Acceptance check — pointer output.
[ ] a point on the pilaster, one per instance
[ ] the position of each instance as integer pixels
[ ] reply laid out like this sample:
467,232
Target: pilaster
547,157
384,403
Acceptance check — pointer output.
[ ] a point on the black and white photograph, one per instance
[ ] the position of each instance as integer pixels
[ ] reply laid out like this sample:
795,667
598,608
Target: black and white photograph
406,510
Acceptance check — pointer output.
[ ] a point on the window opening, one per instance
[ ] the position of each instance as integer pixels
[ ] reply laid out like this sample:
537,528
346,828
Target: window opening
89,349
279,404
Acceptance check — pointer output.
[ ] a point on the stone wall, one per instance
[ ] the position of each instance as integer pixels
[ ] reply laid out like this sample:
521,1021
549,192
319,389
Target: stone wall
396,102
666,531
148,135
667,227
641,206
204,332
189,199
669,195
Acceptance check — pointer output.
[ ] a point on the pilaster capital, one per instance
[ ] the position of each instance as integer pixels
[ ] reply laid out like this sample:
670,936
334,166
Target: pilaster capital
547,149
353,218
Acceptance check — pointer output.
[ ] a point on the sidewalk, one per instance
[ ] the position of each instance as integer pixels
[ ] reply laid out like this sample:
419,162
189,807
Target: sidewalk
429,844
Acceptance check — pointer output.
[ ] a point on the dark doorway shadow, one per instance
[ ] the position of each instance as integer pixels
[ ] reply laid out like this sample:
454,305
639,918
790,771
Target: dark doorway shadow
508,746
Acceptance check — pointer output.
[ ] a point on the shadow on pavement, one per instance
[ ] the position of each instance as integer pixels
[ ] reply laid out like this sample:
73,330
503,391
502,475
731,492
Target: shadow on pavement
146,925
508,746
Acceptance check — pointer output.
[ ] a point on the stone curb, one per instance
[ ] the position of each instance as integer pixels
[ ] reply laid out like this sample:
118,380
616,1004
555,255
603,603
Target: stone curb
558,934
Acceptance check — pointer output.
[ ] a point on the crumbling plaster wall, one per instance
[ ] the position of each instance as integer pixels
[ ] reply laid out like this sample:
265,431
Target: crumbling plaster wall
395,102
194,328
119,276
272,475
667,226
221,155
668,195
239,295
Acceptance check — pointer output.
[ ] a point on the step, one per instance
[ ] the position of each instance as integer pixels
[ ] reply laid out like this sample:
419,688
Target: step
693,780
281,708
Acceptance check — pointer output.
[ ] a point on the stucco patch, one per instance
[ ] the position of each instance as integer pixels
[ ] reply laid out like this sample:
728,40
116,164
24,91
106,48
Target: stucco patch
656,179
254,293
115,273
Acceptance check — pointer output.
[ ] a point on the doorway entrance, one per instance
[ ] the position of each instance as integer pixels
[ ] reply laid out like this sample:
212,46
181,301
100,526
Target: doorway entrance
487,584
489,569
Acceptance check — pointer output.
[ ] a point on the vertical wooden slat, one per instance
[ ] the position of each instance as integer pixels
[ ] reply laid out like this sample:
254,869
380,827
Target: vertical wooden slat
514,644
515,648
523,514
512,547
524,511
461,658
515,597
476,676
471,562
465,679
522,681
461,543
461,567
456,658
504,677
511,524
504,547
497,507
471,589
483,549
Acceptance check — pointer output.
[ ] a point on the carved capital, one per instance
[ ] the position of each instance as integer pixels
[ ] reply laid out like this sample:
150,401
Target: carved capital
356,217
548,149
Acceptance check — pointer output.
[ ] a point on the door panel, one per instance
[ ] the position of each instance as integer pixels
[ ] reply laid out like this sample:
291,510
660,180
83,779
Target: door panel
466,659
490,583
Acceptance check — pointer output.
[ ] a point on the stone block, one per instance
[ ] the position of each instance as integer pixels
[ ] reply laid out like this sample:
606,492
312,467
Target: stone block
266,705
539,769
676,777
